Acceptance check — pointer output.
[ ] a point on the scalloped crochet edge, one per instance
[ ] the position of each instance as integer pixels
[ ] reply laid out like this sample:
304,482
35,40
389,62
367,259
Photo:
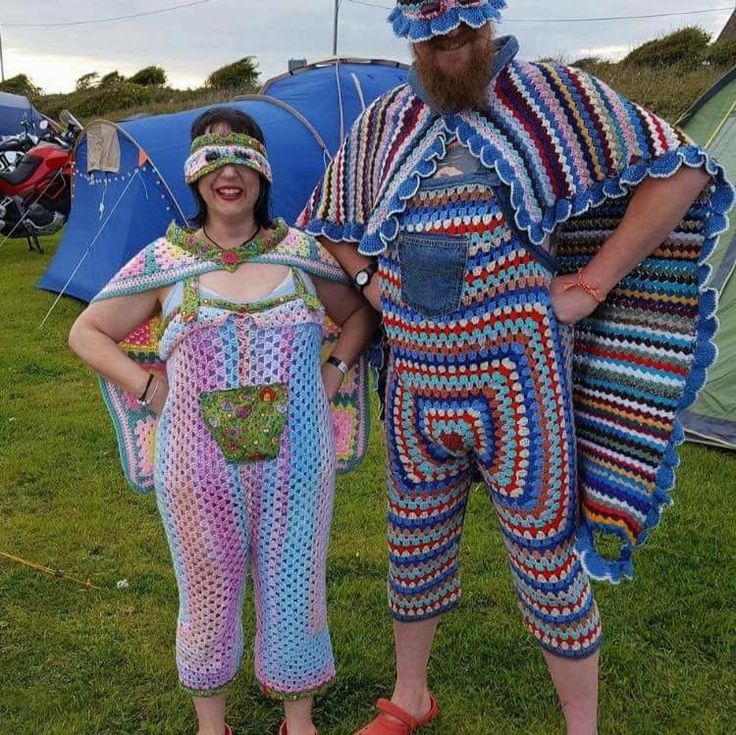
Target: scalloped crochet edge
705,353
418,29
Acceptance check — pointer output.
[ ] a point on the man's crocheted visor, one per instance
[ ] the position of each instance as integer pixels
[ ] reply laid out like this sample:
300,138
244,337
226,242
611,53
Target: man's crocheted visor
215,150
420,21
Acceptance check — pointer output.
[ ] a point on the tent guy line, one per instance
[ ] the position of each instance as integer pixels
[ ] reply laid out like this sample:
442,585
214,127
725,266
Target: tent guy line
87,251
47,570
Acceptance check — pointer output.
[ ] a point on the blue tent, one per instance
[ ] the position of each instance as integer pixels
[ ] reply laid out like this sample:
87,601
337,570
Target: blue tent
16,110
124,202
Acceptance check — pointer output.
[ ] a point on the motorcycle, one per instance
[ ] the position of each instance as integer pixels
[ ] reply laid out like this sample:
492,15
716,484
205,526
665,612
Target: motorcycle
35,196
14,147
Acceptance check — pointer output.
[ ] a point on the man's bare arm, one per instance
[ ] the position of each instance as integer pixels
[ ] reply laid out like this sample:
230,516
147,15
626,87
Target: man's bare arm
347,255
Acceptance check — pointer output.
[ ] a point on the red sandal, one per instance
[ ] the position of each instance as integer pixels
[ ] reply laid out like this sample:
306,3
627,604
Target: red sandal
388,714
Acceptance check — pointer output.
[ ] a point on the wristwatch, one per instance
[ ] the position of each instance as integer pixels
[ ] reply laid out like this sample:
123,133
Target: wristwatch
363,277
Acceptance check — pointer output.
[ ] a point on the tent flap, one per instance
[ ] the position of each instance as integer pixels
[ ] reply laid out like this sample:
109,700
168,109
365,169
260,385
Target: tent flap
712,418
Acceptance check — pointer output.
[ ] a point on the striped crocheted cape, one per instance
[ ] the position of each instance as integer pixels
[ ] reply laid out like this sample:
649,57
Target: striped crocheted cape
571,151
163,263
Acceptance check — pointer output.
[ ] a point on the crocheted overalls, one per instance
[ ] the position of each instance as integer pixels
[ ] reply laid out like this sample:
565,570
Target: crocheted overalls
245,475
479,381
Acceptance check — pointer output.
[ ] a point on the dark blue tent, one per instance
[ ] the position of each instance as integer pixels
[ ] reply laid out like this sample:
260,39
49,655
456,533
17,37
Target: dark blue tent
16,110
127,201
360,82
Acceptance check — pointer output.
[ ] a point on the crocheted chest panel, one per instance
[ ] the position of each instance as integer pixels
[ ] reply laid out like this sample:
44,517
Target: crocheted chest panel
457,279
218,346
197,312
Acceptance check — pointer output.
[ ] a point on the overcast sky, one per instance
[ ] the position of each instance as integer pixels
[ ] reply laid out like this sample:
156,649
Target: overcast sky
191,42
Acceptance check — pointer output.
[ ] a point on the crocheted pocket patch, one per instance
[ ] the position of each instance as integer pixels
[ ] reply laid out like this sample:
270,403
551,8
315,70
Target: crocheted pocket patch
246,422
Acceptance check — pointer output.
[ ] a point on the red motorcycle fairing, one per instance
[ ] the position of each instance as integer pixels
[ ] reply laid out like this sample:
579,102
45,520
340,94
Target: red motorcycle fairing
35,197
36,170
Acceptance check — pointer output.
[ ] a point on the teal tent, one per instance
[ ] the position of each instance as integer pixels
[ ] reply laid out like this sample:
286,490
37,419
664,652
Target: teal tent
711,121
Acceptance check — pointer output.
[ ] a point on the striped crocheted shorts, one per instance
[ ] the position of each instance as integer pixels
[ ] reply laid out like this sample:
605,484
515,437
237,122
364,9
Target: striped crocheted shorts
479,385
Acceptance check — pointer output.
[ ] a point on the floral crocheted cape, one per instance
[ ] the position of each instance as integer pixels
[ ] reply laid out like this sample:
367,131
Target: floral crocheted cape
165,262
570,152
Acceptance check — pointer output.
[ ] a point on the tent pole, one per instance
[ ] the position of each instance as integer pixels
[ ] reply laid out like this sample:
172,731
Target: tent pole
334,30
2,65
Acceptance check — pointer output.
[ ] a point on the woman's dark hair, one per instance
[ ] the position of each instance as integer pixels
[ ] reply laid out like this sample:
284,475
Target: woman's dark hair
238,122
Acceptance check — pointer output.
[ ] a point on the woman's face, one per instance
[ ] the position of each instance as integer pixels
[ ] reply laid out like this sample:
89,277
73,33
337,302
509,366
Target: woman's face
230,192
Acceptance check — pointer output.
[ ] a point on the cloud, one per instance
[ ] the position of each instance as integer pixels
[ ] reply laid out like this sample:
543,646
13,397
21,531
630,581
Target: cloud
609,53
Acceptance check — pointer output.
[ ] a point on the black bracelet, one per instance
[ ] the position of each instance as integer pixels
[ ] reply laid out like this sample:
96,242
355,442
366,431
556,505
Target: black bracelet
341,365
142,397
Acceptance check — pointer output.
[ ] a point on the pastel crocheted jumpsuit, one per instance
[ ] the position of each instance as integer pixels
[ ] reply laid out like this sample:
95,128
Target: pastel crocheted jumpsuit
479,381
245,380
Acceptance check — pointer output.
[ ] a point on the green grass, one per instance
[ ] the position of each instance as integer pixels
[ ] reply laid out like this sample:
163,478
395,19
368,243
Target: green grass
101,662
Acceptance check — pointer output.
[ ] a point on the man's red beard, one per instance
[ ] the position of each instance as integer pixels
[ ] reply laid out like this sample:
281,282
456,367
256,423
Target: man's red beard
465,88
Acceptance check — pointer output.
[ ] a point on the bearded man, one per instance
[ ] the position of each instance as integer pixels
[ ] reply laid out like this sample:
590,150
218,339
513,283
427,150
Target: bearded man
484,208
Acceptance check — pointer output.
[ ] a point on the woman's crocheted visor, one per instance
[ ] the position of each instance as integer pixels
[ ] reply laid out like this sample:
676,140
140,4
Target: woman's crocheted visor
215,150
419,21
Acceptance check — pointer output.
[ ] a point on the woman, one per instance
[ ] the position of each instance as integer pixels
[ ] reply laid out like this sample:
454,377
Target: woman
244,460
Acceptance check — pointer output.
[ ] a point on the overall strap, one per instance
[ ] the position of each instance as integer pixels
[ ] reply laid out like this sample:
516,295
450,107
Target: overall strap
190,298
309,299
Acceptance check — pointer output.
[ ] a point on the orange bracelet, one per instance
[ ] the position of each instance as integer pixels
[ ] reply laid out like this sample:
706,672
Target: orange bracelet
590,290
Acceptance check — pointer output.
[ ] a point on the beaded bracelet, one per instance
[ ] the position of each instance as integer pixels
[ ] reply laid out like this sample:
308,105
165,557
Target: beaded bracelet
590,290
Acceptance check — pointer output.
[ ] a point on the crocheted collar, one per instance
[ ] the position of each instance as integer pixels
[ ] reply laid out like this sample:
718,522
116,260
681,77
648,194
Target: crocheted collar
506,49
231,259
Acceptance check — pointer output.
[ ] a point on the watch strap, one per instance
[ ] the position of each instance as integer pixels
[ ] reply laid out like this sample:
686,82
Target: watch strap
370,271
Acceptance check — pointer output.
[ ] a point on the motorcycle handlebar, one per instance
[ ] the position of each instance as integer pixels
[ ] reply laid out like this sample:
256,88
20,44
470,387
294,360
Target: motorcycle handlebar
18,142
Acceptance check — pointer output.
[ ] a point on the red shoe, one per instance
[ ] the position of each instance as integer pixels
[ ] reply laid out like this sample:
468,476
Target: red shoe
228,730
383,724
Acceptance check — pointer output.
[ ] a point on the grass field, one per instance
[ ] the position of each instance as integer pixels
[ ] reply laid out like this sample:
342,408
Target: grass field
101,662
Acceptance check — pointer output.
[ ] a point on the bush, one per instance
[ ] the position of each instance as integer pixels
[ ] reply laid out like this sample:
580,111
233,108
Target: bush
722,53
685,48
592,65
242,76
20,84
113,79
87,81
115,95
151,76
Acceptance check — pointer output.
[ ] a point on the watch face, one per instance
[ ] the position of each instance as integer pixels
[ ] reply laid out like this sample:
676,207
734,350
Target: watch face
361,278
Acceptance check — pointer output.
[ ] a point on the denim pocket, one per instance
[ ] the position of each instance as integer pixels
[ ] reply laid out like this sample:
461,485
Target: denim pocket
432,270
